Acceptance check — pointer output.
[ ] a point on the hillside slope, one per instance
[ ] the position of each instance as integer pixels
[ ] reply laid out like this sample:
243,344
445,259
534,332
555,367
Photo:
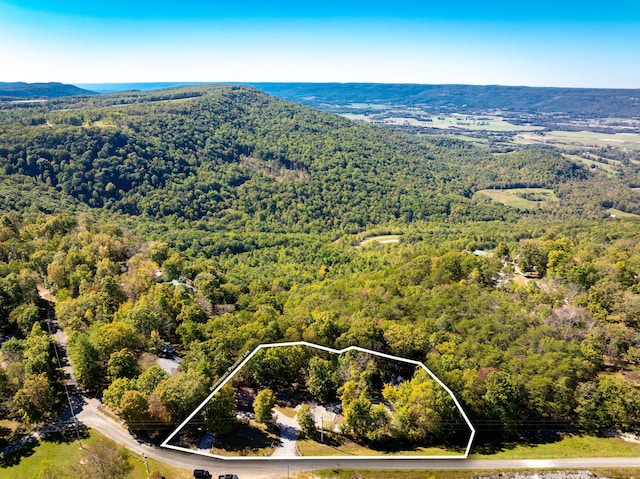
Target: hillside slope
239,158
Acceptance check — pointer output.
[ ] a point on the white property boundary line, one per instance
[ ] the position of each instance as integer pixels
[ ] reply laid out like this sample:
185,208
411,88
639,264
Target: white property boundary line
333,351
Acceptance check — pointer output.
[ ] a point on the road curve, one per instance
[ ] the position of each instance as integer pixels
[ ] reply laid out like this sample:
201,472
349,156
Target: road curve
274,468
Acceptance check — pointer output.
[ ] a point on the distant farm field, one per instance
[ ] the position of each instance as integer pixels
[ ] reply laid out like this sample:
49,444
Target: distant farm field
582,139
609,167
522,198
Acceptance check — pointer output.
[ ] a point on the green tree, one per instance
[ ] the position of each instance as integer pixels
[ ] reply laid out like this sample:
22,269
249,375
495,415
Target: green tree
220,411
263,406
181,393
306,420
114,337
149,379
322,379
142,319
357,417
122,364
380,423
133,408
112,396
85,360
25,316
278,367
417,415
503,399
37,399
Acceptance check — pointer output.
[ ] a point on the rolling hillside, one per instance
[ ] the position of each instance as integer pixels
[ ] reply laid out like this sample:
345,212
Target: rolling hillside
234,156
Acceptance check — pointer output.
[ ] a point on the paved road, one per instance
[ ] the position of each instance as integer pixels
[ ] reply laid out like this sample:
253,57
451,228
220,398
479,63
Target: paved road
274,468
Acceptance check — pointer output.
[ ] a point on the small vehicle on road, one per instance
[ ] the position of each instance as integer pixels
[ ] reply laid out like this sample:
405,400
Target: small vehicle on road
201,474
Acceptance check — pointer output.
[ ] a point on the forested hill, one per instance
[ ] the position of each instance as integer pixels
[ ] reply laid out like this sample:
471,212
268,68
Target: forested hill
39,90
238,158
466,98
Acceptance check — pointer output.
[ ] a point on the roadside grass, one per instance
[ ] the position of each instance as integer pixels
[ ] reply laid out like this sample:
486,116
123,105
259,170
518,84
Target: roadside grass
612,473
337,445
513,197
252,439
167,471
64,452
570,446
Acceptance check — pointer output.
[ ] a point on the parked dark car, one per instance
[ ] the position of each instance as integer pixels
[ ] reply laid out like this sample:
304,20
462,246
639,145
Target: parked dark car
201,474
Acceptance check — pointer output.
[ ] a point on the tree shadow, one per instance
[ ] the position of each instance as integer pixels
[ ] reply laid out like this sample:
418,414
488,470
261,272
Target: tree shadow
5,435
244,437
67,435
15,457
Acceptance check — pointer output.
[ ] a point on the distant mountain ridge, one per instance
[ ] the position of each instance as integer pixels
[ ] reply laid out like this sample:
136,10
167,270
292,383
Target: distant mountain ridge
465,98
135,86
18,90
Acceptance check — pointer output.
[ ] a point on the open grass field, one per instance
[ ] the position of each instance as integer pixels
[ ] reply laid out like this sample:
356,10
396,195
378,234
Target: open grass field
384,239
65,452
582,139
612,473
621,214
523,198
462,122
609,168
443,122
567,446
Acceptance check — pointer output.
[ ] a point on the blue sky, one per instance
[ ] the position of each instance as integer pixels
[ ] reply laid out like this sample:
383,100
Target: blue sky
539,43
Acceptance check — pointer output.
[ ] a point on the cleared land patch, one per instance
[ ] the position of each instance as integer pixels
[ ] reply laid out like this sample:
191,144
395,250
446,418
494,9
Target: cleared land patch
582,139
609,167
523,198
382,239
621,214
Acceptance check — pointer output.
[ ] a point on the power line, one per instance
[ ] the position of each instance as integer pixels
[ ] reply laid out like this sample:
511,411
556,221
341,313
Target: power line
64,383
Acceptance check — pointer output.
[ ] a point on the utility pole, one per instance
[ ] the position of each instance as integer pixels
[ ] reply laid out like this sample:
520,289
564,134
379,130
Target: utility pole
322,428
